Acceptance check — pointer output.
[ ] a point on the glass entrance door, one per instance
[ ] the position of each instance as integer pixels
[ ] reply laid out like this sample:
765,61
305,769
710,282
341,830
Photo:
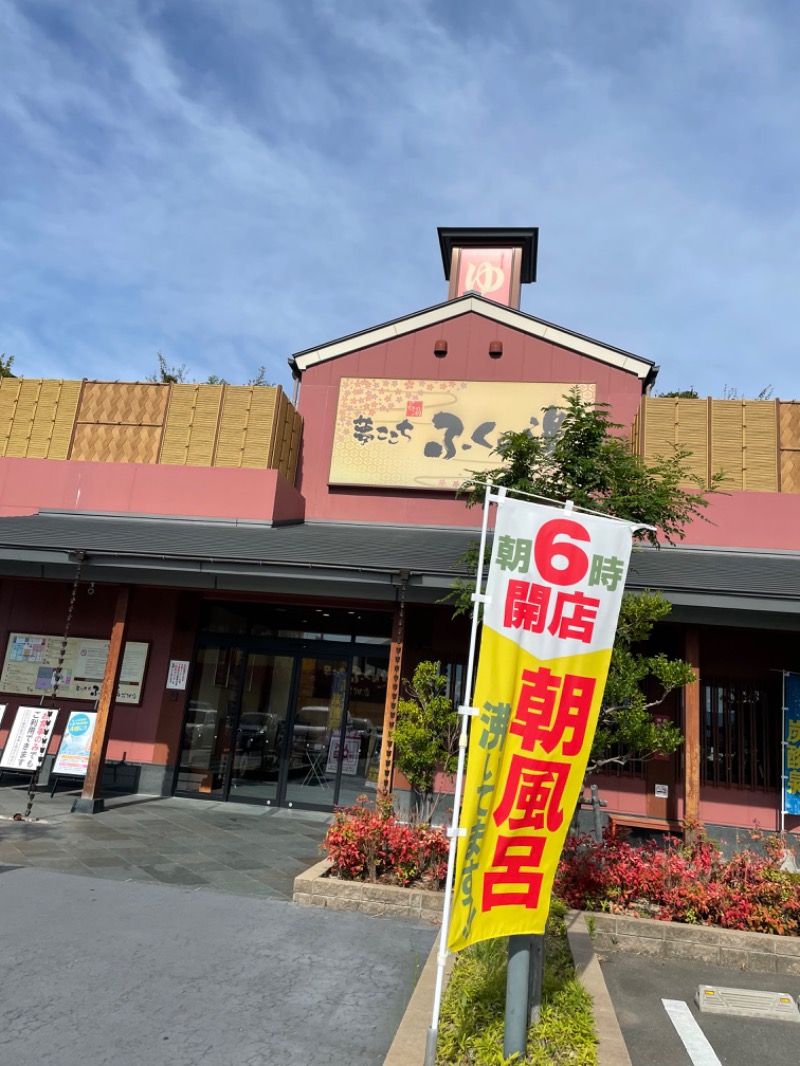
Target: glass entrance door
315,751
206,741
282,728
259,739
235,724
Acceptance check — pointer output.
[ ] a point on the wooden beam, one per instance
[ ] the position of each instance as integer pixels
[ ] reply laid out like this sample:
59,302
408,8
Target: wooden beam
691,728
90,802
392,694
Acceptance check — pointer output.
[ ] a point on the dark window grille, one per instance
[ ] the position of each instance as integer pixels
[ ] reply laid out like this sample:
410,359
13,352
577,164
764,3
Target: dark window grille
740,744
631,768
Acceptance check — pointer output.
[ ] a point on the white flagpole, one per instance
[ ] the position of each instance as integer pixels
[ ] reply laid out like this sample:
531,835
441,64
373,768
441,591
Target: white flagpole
784,746
466,711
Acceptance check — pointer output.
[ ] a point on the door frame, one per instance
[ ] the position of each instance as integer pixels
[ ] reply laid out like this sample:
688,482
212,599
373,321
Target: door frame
298,649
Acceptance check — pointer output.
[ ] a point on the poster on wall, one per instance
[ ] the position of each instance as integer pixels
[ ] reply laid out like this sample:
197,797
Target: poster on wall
72,759
30,735
31,660
177,674
434,434
352,750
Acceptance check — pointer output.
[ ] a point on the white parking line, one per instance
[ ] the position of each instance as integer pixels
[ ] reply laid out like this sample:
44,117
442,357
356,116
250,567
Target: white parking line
698,1048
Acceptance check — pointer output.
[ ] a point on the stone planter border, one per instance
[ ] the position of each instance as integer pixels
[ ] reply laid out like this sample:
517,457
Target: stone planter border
758,952
315,889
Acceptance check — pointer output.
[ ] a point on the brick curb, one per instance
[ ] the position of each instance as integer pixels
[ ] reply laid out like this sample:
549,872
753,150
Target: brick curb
313,888
757,952
408,1046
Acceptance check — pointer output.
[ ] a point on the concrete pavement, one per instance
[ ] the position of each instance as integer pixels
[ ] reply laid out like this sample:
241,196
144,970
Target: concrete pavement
638,984
99,972
239,849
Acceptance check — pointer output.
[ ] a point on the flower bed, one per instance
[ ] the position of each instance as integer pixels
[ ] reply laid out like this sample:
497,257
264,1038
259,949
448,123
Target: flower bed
316,889
681,883
367,843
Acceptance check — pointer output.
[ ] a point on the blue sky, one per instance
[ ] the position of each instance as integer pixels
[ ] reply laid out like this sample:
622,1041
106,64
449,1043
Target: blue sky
231,181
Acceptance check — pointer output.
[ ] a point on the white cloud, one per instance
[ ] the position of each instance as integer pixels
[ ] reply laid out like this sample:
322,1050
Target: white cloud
230,183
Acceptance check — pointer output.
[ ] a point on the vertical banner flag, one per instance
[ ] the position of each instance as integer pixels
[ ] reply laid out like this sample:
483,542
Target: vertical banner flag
554,589
791,747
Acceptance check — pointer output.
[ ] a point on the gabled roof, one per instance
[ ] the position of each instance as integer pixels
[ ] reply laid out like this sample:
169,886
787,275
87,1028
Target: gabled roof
644,369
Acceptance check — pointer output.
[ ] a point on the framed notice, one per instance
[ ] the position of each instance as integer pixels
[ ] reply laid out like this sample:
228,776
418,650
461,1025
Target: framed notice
29,738
177,674
73,753
31,661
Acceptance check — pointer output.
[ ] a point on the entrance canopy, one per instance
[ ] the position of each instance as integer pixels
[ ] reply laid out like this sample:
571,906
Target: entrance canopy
365,560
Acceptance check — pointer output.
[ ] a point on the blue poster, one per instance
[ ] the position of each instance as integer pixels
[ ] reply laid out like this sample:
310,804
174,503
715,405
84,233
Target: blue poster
791,748
73,754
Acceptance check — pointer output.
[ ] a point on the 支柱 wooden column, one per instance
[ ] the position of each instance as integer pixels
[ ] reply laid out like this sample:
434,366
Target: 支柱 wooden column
392,692
90,802
691,729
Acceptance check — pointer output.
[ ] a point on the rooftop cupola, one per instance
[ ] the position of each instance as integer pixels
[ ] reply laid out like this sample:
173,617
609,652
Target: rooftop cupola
491,262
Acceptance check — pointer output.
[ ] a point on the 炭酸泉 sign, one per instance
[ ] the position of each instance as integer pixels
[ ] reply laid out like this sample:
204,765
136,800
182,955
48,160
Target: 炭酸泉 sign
554,588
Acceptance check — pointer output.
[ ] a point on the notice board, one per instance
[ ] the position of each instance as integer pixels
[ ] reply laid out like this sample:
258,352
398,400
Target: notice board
31,660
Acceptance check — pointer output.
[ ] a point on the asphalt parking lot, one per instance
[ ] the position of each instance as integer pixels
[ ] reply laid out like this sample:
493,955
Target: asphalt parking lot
638,986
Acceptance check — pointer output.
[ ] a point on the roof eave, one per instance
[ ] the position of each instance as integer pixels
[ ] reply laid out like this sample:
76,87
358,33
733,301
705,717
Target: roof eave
644,369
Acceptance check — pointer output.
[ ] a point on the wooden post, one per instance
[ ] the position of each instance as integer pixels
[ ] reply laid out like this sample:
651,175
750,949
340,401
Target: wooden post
392,693
89,802
691,726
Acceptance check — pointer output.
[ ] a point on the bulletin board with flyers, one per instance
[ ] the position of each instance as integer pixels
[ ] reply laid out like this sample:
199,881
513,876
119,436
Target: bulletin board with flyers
31,660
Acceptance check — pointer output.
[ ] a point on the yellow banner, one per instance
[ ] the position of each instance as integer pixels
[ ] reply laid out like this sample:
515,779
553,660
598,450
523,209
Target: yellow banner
555,585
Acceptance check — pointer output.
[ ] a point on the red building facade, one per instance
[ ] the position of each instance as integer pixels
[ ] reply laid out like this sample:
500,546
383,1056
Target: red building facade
296,604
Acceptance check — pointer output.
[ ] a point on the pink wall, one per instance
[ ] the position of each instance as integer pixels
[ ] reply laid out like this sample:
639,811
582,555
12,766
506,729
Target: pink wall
28,485
718,806
39,607
524,358
749,520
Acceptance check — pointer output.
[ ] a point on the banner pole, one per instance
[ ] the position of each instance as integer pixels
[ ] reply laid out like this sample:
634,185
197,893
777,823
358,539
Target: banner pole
518,990
466,712
783,753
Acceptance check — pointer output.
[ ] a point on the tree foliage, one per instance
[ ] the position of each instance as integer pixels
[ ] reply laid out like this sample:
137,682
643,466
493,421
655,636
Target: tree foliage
426,731
6,362
678,394
588,463
167,374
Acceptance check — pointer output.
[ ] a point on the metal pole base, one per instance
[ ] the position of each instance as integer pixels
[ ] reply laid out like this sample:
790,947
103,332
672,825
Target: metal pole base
430,1047
517,991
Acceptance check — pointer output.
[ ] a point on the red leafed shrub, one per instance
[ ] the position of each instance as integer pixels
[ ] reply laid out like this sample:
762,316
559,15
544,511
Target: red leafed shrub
367,843
682,883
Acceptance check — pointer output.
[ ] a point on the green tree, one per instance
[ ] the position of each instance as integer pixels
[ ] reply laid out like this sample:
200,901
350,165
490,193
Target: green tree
179,375
679,394
425,735
6,362
261,378
166,374
589,463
